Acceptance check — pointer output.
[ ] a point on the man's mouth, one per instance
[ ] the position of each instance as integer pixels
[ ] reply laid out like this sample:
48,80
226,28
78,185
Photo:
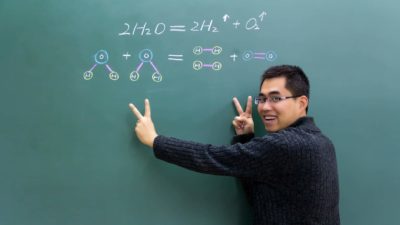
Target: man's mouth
270,119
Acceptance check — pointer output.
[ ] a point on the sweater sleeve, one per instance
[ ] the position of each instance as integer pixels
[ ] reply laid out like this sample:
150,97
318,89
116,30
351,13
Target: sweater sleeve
243,138
247,160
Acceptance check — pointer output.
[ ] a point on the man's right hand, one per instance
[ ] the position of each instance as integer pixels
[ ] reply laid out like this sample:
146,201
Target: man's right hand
243,123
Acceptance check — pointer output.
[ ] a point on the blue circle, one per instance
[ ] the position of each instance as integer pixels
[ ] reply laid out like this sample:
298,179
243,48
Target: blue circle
247,55
271,56
101,57
146,55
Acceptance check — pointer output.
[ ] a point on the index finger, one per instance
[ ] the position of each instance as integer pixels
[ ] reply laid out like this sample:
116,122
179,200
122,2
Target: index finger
238,106
147,111
135,111
249,105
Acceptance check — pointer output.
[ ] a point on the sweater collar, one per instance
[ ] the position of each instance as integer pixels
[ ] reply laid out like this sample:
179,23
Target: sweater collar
305,123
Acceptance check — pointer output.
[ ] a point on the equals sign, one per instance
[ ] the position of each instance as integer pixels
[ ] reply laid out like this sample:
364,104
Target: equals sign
259,55
177,28
175,57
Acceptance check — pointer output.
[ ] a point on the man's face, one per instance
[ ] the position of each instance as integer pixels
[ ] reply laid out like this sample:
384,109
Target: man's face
279,115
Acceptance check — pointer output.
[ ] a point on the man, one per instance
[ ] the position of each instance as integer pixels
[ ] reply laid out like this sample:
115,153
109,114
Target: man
289,175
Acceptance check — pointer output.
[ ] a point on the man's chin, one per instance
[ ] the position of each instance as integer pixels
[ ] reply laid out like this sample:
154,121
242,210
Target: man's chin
271,129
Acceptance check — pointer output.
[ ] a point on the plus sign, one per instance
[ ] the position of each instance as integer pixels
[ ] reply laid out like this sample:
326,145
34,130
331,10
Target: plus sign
126,55
234,56
236,24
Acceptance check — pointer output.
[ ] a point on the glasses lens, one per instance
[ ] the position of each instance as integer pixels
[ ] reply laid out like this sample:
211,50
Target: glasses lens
276,99
259,100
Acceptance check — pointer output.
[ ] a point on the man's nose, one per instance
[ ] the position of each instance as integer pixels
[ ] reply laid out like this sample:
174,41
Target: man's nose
266,106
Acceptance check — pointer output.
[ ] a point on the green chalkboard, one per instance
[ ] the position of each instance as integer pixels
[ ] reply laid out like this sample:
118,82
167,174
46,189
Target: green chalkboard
68,154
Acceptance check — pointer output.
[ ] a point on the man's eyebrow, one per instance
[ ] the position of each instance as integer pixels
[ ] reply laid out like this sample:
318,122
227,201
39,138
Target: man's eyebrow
270,93
273,93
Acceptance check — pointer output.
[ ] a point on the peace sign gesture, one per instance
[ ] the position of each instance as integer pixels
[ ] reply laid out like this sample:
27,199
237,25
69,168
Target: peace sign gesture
243,123
144,129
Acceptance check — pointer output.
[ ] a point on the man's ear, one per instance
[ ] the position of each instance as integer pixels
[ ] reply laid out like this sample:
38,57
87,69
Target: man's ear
303,100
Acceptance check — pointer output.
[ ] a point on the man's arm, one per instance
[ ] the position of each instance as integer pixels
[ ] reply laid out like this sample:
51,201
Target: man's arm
251,160
240,160
146,132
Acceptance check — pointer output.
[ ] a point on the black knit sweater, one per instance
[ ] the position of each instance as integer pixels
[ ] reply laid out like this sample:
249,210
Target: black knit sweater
290,177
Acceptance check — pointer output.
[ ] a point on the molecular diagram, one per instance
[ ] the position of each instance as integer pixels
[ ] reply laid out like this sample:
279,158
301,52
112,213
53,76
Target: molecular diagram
101,58
198,65
146,56
269,56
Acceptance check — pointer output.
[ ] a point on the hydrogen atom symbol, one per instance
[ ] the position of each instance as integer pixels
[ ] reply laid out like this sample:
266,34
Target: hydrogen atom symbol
156,77
216,50
197,65
197,50
134,76
114,75
217,66
88,75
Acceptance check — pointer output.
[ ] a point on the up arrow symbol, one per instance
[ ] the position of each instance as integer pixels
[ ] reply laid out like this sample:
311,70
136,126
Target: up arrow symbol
262,15
225,17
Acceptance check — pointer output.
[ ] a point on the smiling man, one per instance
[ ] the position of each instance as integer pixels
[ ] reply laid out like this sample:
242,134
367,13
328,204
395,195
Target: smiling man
289,175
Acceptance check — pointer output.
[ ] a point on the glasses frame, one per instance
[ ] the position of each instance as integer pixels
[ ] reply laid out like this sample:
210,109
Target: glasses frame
268,99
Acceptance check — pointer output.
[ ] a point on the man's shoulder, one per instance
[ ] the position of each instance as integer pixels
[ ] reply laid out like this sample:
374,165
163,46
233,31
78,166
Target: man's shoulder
304,135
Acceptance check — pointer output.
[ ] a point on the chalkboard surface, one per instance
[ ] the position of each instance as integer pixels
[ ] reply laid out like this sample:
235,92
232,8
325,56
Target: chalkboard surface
68,154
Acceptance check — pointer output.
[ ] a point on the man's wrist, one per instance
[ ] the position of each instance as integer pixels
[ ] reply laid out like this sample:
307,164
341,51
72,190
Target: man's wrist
151,143
242,138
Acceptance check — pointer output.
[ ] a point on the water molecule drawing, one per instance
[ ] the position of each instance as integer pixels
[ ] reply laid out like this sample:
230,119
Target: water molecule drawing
101,58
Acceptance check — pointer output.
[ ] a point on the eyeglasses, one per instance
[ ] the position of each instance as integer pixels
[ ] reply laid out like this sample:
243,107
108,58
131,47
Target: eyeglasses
271,99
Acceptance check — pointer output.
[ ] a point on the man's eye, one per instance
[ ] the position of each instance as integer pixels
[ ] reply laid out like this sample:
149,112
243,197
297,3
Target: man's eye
276,98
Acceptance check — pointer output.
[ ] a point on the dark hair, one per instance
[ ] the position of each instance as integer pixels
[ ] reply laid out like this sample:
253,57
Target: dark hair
296,80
